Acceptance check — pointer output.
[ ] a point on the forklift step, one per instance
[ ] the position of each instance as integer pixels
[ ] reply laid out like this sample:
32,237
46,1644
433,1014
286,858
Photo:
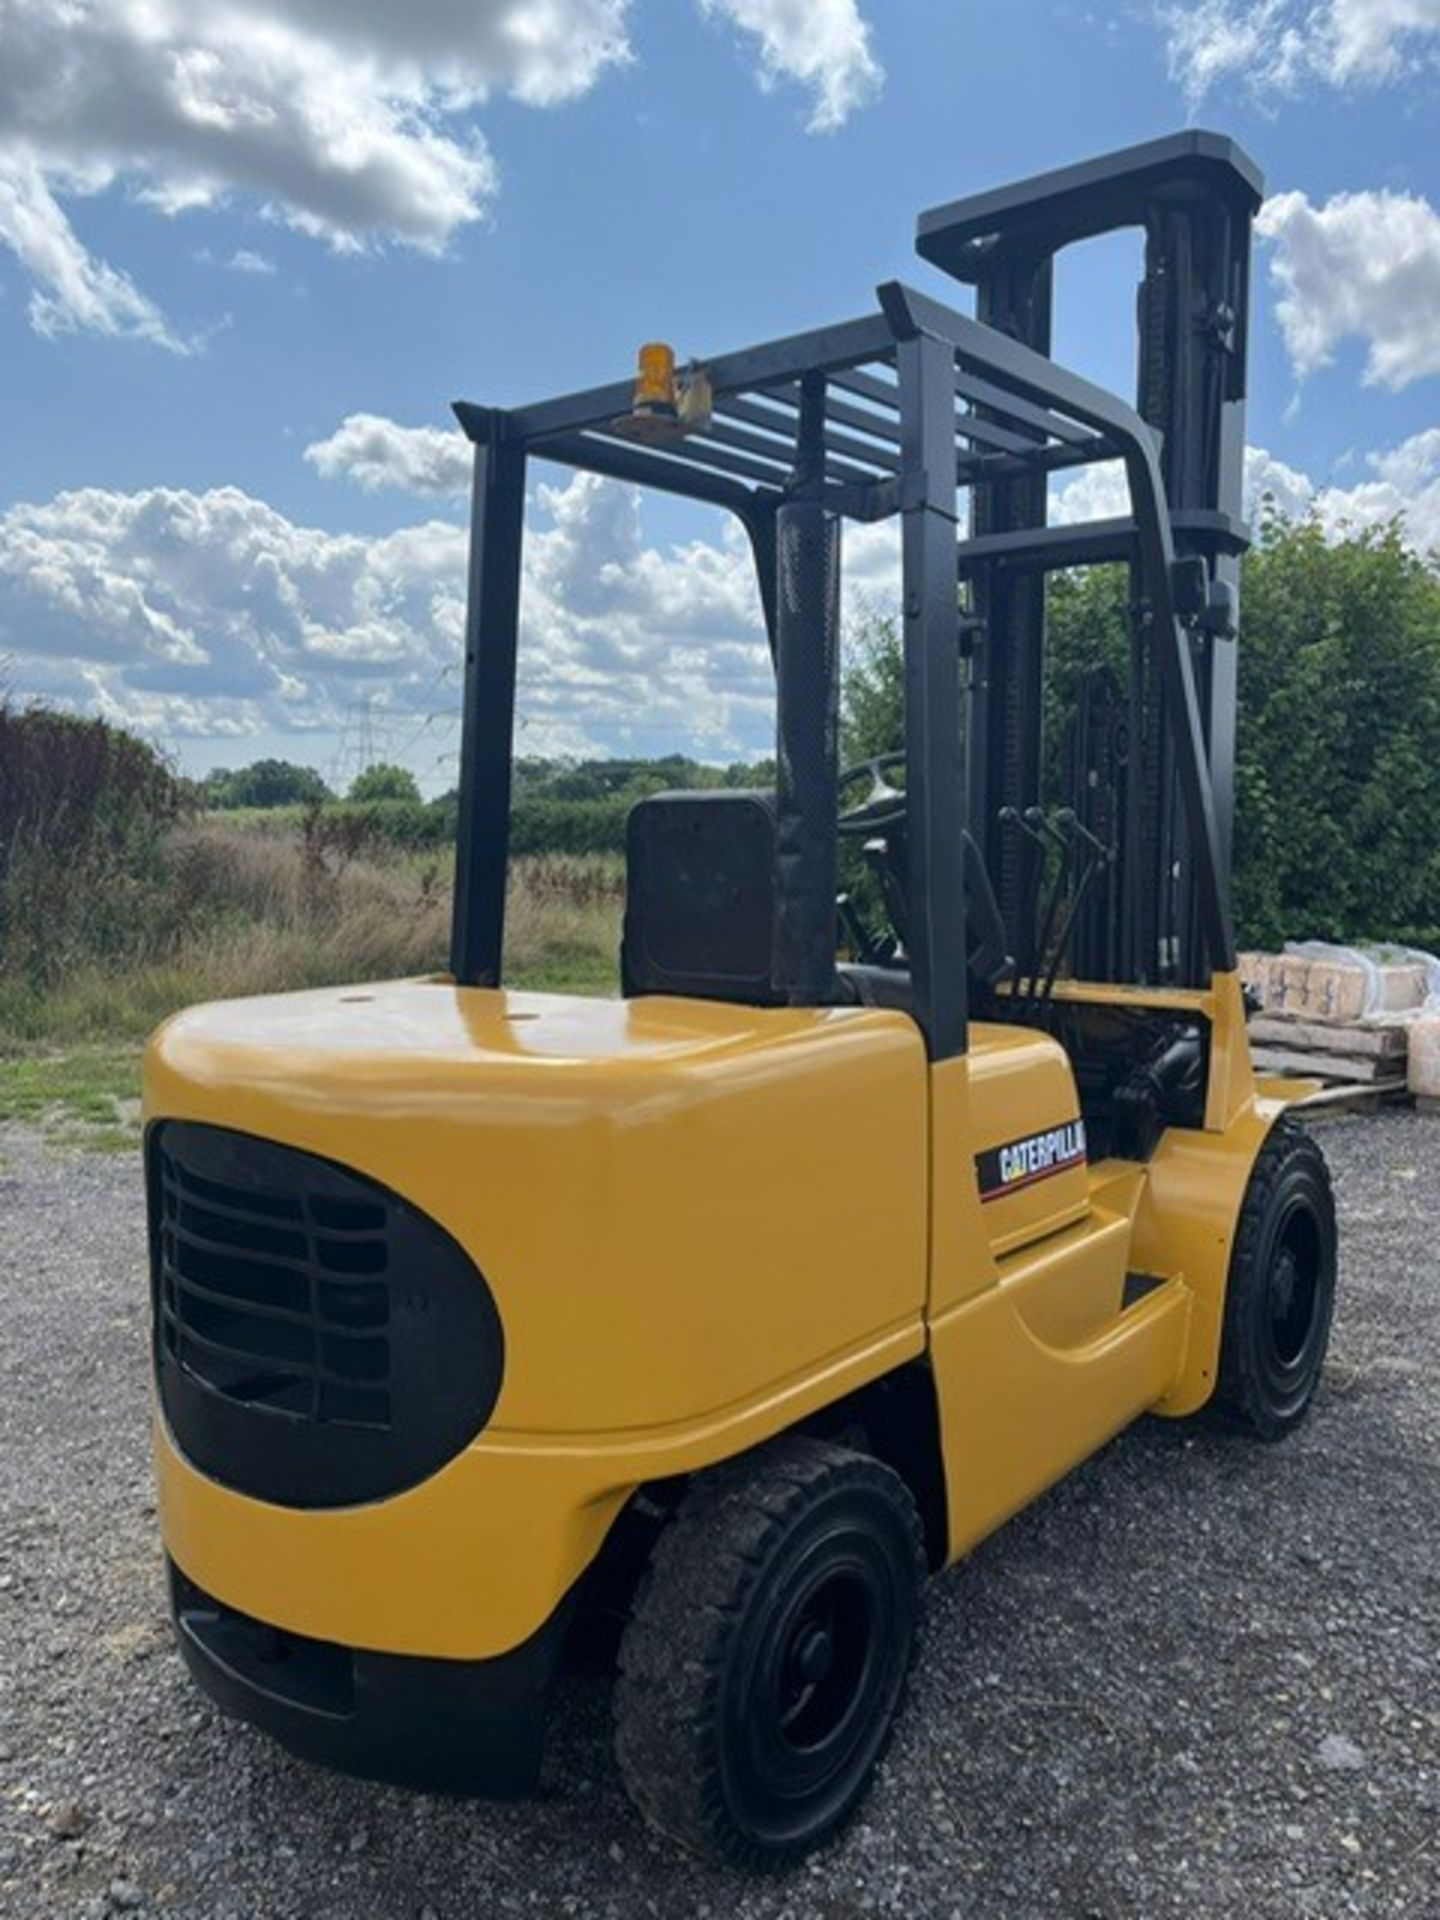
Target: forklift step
1138,1286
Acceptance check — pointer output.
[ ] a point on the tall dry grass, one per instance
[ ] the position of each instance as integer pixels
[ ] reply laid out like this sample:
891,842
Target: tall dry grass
252,913
119,903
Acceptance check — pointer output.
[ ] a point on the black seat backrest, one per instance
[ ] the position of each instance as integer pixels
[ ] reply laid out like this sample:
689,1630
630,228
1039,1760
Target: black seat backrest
700,901
700,896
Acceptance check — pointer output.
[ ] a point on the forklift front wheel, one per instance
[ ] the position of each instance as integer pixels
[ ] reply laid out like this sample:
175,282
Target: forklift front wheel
768,1649
1281,1292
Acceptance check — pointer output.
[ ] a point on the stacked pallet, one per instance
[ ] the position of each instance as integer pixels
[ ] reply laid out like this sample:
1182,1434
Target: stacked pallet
1338,1016
1360,1062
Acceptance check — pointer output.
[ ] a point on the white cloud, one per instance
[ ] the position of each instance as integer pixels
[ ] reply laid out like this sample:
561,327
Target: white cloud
639,650
376,452
72,290
1406,487
212,614
1096,493
436,462
1378,39
1277,46
870,562
1273,487
1364,266
1103,493
824,45
1412,465
344,119
352,121
247,260
1216,39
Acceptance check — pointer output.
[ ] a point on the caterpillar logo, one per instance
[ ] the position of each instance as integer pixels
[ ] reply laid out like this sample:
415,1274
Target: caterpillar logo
1038,1156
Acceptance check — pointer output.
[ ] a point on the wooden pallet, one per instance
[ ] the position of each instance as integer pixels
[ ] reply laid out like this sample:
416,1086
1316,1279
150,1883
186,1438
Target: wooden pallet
1328,1036
1353,1070
1361,1064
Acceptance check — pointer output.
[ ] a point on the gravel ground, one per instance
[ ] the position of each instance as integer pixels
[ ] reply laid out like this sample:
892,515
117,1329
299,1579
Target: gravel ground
1200,1678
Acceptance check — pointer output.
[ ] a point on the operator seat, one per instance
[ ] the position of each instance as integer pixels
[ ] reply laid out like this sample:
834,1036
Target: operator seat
990,962
700,897
700,907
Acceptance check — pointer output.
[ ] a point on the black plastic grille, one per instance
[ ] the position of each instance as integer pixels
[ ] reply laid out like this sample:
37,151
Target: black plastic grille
317,1339
279,1299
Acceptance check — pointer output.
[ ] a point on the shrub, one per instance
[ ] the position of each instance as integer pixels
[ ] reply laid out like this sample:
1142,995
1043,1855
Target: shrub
385,782
84,814
1337,830
264,783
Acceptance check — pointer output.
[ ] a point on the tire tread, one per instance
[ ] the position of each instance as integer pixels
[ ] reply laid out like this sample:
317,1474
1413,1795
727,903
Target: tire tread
702,1572
1238,1400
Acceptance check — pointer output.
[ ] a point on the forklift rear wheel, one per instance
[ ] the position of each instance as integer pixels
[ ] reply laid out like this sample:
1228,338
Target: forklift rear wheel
1281,1292
768,1649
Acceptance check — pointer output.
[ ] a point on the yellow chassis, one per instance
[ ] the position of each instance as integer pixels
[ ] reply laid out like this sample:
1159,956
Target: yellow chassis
703,1224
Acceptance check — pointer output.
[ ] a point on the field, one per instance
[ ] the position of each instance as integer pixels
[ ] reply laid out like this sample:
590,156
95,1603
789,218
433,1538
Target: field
245,904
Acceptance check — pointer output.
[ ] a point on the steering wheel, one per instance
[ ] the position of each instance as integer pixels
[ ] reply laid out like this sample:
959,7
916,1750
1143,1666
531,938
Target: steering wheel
882,811
883,806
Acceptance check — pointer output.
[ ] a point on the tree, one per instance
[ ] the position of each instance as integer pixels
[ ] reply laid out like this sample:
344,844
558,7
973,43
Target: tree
1337,800
264,783
1338,805
385,782
872,700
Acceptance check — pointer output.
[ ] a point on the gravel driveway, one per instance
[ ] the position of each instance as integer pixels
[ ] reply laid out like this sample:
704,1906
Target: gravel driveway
1200,1678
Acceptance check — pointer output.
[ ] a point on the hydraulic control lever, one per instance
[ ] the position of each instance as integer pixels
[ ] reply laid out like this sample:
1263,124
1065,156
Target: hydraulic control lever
1057,834
1013,818
1099,855
1037,830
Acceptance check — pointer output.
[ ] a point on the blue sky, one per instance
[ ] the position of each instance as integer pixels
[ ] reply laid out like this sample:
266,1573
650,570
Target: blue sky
227,231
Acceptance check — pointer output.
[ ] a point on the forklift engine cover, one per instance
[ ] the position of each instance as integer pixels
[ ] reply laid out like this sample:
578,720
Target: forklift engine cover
648,1189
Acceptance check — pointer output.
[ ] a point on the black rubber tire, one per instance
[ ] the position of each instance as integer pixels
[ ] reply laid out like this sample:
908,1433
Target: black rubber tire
729,1736
1281,1293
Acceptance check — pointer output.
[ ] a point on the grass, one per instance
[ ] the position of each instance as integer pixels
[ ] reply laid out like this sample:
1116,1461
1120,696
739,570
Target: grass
240,911
119,904
228,910
89,1097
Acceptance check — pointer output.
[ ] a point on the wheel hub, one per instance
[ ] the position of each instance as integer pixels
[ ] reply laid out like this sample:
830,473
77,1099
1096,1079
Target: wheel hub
814,1654
1282,1287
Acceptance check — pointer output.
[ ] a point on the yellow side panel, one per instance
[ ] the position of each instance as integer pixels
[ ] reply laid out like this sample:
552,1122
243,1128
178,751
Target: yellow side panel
961,1261
1186,1224
1032,1373
1195,1187
1017,1412
1022,1084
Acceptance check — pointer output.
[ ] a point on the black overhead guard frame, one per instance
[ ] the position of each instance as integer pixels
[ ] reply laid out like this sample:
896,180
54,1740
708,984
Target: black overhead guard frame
898,413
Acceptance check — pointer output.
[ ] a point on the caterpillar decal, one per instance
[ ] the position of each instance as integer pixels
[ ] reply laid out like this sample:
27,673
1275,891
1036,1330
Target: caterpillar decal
1020,1163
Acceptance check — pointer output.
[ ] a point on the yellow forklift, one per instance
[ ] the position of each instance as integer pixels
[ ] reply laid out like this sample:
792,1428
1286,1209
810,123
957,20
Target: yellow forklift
696,1326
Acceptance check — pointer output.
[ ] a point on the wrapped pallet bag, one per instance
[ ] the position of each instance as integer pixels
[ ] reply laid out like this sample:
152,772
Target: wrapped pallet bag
1424,1070
1322,981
